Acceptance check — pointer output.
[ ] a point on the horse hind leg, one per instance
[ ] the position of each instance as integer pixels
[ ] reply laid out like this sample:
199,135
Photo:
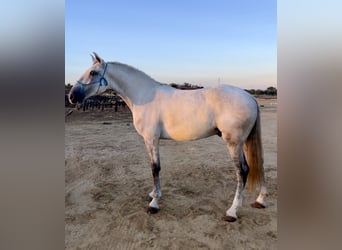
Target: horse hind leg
241,169
260,201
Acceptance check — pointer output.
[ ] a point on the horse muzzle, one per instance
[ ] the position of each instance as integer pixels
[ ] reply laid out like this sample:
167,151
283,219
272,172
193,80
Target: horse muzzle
76,94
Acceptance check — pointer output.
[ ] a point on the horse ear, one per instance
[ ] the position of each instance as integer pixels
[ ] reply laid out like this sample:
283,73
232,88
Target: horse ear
93,58
97,58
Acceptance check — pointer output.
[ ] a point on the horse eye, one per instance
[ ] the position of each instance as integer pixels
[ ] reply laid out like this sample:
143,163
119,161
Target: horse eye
93,73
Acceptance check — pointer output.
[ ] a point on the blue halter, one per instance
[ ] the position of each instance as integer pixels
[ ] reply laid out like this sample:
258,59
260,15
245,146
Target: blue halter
101,81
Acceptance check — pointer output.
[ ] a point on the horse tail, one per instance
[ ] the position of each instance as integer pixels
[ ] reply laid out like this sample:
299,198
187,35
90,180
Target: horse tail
254,152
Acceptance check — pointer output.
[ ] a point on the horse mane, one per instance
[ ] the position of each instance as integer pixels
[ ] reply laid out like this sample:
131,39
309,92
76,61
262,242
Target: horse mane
131,69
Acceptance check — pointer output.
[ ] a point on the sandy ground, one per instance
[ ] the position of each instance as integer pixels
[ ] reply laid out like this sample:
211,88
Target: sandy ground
108,177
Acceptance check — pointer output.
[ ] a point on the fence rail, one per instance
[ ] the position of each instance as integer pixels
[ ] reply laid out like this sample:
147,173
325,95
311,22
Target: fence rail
98,102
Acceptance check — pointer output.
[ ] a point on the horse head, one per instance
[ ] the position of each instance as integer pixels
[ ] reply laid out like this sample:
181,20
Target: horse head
92,82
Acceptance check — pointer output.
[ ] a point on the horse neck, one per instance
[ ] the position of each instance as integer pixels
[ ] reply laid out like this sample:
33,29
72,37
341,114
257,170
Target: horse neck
134,86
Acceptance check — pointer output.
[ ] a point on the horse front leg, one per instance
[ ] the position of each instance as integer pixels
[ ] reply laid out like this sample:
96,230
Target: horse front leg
152,146
242,169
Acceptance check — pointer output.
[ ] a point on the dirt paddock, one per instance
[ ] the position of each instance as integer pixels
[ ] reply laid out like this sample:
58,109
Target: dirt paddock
108,178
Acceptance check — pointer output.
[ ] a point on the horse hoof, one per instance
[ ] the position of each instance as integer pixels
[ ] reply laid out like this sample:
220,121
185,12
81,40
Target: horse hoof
152,210
228,218
257,205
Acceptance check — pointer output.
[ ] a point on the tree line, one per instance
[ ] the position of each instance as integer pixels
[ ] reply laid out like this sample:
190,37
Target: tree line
272,91
185,85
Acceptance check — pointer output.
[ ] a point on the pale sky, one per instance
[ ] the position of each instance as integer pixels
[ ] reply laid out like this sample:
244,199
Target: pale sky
202,42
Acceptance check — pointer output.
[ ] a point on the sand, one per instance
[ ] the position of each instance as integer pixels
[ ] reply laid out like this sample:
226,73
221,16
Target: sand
108,178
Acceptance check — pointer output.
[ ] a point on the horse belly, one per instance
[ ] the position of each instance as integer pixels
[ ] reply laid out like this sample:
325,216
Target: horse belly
187,127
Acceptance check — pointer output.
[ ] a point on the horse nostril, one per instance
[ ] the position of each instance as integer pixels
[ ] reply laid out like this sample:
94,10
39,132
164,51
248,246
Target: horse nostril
76,94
